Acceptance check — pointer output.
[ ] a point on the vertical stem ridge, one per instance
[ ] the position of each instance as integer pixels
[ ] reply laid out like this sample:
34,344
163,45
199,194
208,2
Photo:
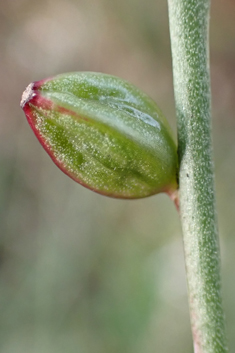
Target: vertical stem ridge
189,21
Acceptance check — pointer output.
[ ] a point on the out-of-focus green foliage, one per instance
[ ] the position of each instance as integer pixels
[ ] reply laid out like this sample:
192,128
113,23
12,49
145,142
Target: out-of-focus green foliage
113,280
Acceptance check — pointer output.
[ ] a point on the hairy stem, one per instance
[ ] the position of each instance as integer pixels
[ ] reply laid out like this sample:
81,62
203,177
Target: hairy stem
189,40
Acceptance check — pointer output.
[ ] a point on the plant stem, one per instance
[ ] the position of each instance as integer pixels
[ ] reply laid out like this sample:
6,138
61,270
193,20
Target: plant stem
189,40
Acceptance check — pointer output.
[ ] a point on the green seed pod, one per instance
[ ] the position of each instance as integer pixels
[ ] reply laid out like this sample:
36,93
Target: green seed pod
104,133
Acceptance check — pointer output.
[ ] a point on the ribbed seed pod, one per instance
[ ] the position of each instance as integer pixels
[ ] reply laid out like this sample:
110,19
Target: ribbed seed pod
104,133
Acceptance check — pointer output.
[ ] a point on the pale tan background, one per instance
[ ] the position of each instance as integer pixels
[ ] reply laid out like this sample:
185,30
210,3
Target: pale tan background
81,273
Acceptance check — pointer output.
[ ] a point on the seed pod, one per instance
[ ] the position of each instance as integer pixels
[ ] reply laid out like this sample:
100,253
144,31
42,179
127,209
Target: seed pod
104,133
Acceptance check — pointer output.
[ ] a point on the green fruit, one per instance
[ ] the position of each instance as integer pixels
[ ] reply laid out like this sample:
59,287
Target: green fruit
104,133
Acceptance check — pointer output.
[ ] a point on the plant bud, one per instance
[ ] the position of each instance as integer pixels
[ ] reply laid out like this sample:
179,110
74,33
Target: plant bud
104,133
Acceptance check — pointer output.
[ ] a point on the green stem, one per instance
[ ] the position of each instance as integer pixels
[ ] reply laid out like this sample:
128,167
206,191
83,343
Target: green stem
189,40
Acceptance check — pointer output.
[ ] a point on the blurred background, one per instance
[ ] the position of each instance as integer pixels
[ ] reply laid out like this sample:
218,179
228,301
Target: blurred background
82,273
